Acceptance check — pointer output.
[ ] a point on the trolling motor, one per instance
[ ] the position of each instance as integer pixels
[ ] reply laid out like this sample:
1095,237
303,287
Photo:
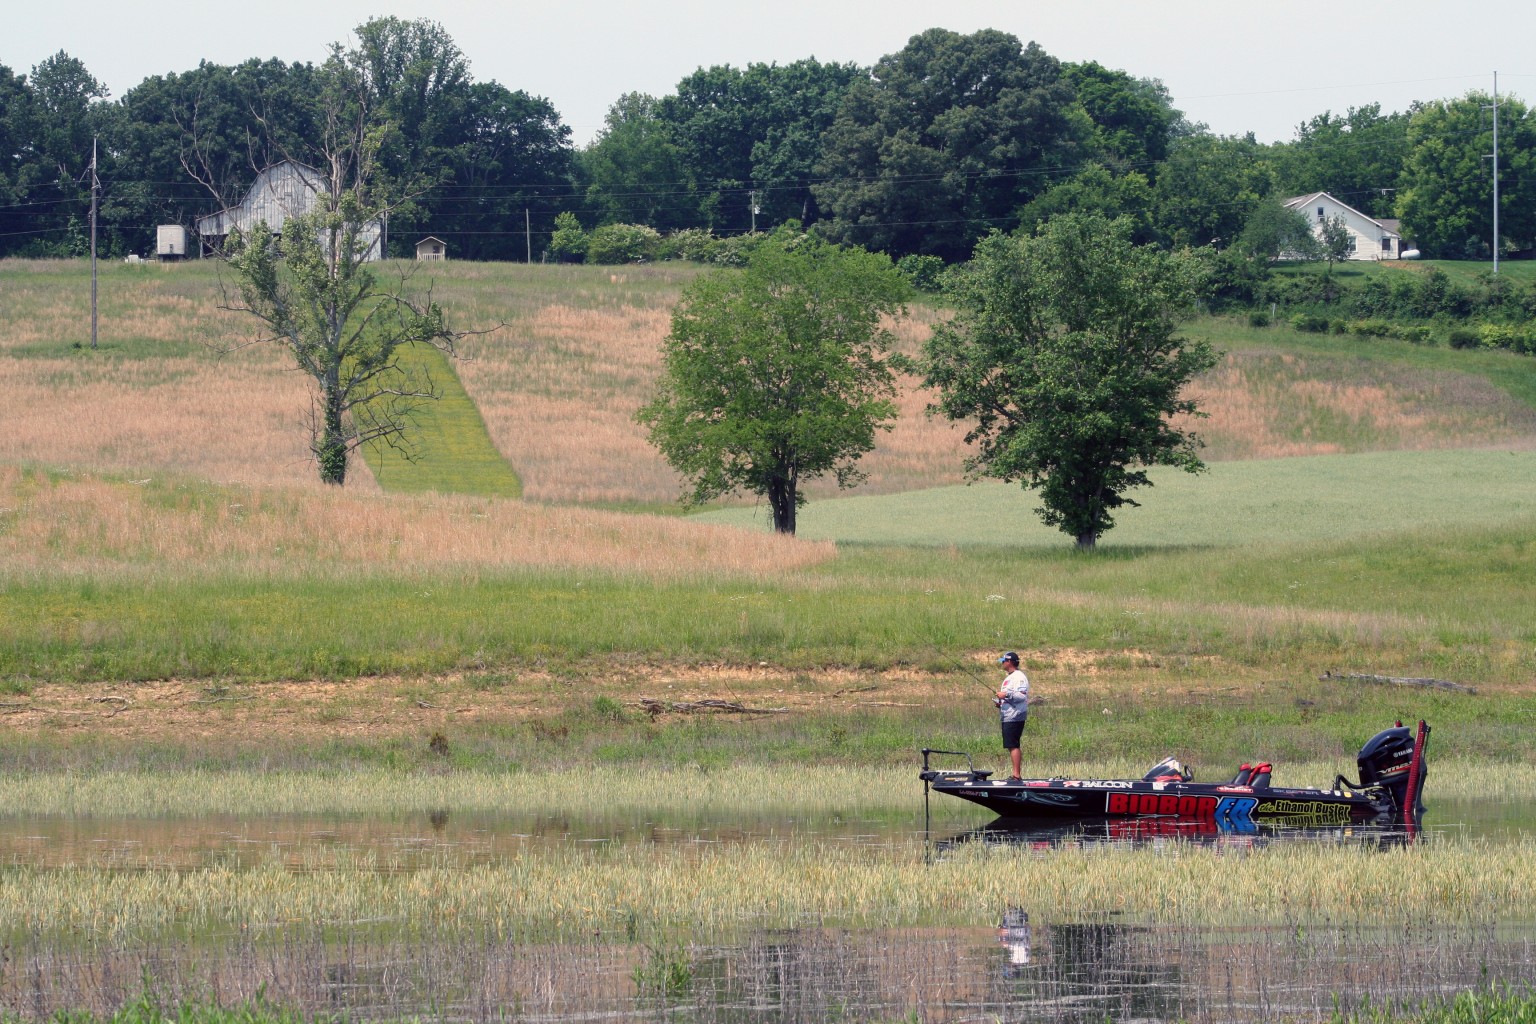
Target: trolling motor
1393,760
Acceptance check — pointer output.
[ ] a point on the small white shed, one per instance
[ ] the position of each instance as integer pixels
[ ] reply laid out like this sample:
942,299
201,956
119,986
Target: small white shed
170,241
431,248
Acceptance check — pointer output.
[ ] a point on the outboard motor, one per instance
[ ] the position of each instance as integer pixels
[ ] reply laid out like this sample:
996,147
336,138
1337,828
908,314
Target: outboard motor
1394,760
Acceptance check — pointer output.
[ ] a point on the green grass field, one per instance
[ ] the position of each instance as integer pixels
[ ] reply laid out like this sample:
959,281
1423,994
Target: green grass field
1461,272
1410,562
1235,504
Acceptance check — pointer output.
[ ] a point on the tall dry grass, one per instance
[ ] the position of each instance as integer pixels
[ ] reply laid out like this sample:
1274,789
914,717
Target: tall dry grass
51,525
174,385
560,383
1268,405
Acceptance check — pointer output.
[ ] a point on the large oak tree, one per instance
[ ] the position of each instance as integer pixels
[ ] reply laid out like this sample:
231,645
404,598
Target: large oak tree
1064,358
779,373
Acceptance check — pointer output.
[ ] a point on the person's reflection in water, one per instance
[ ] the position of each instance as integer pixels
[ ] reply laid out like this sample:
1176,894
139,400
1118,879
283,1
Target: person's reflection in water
1013,932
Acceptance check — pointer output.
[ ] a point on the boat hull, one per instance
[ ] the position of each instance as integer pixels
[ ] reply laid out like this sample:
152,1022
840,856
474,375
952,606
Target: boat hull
1229,808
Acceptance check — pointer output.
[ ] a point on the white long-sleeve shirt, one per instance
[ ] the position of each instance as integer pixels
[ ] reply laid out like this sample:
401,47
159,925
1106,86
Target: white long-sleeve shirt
1013,696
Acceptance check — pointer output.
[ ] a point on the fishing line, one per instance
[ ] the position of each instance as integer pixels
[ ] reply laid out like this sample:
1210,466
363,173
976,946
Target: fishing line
968,670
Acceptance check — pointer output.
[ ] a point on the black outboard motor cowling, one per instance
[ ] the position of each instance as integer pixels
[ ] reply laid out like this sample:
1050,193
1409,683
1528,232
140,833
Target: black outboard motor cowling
1387,760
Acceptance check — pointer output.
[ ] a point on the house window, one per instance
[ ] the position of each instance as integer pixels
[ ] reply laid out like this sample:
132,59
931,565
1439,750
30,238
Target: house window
1320,214
436,249
1350,246
1386,245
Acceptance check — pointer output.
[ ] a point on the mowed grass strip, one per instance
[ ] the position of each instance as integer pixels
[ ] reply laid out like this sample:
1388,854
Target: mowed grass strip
448,450
1282,501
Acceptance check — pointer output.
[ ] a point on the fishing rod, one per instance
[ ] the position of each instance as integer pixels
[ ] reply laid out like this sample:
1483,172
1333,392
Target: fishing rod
968,670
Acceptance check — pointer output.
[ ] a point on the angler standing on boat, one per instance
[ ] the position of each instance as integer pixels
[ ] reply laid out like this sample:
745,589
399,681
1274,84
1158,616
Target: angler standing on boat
1013,704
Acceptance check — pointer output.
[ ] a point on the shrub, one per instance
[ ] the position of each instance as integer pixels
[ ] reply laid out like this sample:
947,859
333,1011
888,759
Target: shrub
622,243
1258,318
734,250
925,272
1339,326
694,244
1419,334
1370,328
1507,336
1464,337
1310,322
569,242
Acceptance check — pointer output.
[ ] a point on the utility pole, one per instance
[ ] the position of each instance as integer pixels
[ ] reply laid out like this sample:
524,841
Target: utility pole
95,189
753,195
528,233
1495,172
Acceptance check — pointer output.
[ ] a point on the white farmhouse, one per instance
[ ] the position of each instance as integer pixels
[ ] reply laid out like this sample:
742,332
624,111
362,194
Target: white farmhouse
286,189
1369,238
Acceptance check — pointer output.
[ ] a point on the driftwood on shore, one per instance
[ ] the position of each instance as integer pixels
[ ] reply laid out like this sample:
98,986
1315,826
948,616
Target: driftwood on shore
1432,684
688,707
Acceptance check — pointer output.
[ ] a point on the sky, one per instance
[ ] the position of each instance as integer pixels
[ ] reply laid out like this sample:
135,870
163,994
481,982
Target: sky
1236,66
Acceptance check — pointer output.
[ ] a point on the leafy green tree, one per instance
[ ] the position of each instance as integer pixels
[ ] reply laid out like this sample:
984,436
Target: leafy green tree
319,298
568,243
16,227
1357,157
64,93
511,160
945,140
1208,188
1274,232
1133,118
1334,240
1446,194
1064,358
635,172
1095,189
751,137
779,373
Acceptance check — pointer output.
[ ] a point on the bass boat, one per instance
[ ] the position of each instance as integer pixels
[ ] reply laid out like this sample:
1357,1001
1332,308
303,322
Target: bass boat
1390,791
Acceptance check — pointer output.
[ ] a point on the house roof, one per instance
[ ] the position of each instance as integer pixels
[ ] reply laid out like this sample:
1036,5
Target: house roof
431,238
1297,202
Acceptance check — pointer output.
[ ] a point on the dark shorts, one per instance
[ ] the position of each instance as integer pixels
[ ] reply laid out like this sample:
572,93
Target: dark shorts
1012,731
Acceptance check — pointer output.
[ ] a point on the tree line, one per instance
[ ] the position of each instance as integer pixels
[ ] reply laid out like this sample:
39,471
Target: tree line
921,154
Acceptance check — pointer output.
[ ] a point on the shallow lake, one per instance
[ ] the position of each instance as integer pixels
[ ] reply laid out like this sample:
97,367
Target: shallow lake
1029,962
445,836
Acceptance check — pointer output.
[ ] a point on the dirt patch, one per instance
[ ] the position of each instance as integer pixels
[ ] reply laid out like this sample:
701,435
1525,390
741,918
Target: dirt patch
193,712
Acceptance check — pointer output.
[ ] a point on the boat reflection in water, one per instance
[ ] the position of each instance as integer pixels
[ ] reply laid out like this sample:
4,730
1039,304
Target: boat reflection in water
1013,933
1106,831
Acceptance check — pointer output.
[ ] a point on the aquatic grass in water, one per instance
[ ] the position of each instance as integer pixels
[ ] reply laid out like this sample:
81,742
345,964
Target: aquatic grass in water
744,791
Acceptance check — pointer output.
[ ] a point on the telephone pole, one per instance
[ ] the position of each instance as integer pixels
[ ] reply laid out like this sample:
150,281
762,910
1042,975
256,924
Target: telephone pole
95,189
1495,172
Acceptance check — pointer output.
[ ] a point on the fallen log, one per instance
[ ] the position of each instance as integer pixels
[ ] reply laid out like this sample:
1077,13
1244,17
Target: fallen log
1433,684
688,707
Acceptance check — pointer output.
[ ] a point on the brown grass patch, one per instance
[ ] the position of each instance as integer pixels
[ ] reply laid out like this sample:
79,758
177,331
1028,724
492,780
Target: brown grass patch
1265,405
89,524
560,387
560,384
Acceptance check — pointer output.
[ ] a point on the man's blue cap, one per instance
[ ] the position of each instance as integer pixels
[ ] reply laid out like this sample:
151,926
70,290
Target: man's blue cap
1010,656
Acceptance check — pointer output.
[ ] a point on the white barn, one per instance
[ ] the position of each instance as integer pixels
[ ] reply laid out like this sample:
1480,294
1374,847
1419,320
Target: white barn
286,189
1369,238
